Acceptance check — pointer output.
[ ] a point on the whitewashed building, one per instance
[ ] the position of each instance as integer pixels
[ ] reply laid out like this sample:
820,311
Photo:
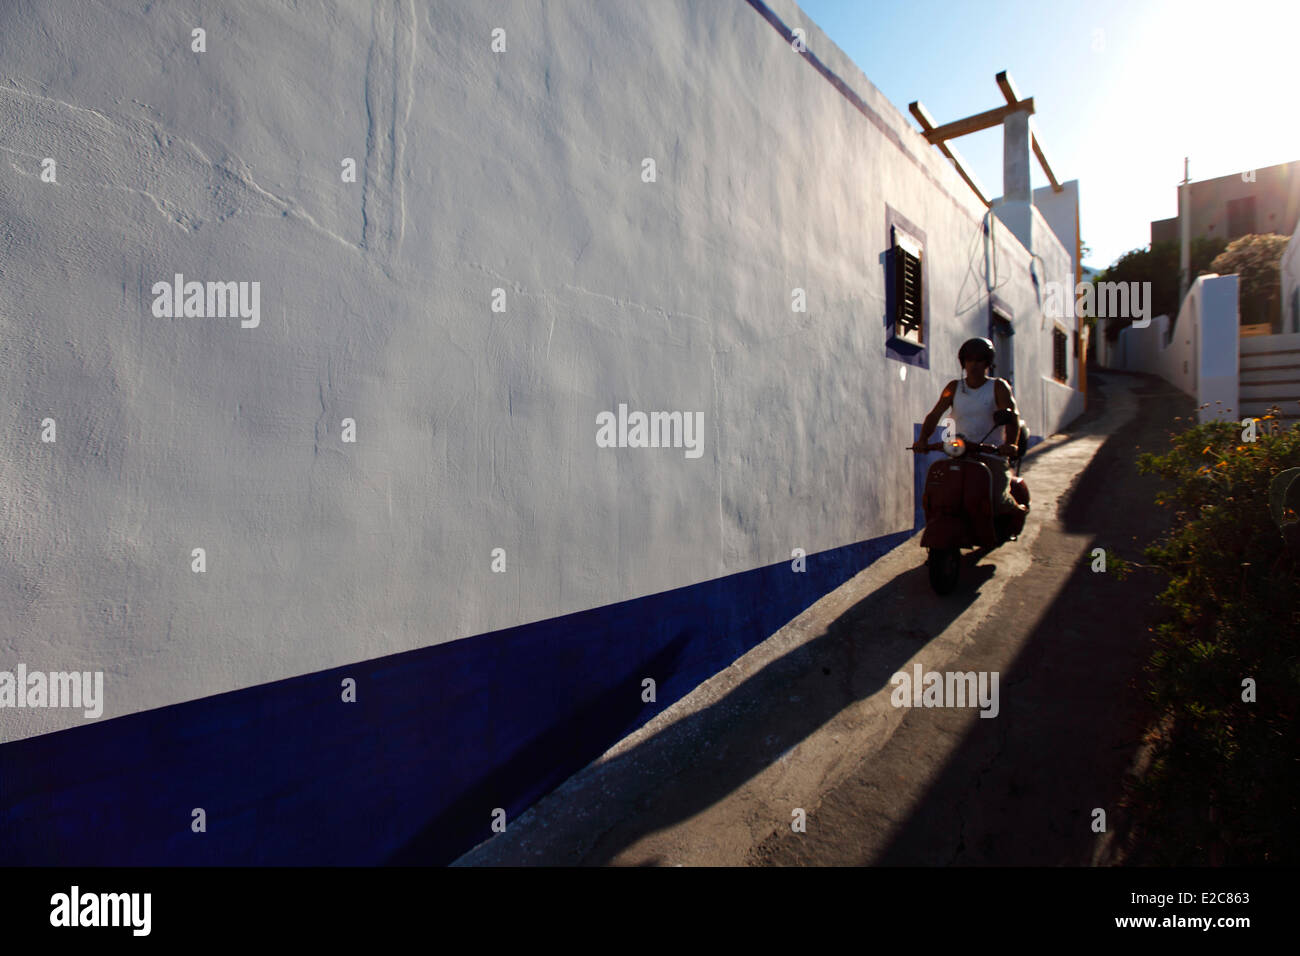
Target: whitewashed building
357,569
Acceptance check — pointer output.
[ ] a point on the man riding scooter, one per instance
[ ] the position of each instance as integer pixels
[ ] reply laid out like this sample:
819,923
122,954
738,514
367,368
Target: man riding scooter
973,401
970,501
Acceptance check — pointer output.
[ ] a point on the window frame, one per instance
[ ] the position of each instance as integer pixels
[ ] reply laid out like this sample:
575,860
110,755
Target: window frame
900,233
1061,350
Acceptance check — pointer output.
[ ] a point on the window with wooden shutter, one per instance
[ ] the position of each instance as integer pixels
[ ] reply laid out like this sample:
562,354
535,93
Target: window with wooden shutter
1059,339
909,324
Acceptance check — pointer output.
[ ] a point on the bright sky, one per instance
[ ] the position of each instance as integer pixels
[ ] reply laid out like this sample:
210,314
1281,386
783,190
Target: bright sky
1123,89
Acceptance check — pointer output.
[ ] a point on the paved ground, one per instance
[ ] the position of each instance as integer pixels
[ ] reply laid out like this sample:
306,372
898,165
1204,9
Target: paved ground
804,721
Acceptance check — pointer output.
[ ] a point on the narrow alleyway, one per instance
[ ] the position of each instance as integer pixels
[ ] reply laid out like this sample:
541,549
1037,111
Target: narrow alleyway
805,722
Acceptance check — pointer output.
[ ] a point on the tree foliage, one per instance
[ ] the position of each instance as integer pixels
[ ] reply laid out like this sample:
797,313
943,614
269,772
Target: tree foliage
1257,260
1159,265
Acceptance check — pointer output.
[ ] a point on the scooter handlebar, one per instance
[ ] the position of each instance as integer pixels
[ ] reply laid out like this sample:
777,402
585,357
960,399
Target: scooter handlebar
982,448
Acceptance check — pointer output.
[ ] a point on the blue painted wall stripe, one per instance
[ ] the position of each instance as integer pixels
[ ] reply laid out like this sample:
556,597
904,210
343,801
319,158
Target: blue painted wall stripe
288,774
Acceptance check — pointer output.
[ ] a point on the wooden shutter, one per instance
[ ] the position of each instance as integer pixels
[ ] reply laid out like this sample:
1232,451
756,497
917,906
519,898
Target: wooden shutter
908,313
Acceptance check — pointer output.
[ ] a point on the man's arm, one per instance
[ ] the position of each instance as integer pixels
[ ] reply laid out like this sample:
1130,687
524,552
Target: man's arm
932,420
1005,400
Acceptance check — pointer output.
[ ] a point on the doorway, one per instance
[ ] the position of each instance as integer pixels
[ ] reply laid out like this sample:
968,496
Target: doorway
1001,332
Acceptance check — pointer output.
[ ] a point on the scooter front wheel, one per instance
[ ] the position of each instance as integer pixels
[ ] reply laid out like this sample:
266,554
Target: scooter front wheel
945,567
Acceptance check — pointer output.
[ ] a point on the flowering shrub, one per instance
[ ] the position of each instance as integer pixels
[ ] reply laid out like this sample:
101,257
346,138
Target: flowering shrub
1224,783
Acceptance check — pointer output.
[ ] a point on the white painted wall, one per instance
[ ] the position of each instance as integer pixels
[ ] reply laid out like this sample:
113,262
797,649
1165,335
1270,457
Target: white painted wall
1053,403
476,430
1062,402
1200,357
1103,348
1220,337
1060,211
1153,350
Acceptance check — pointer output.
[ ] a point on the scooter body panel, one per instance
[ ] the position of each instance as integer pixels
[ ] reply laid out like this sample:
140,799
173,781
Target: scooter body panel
958,503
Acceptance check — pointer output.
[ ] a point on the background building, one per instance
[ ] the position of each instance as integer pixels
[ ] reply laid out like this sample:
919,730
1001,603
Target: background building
1255,201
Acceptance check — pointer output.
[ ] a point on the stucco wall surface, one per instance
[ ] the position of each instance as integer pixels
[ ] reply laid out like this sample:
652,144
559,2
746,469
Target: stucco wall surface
519,171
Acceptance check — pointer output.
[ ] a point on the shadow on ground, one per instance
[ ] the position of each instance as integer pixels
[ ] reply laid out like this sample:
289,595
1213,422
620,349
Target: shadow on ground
1023,789
1018,789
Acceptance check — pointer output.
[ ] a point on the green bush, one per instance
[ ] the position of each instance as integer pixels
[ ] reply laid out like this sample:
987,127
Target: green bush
1224,783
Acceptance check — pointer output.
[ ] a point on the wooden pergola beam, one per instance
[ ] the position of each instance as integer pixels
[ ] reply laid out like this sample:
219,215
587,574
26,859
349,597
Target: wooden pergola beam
973,124
1012,95
927,124
1008,86
1042,159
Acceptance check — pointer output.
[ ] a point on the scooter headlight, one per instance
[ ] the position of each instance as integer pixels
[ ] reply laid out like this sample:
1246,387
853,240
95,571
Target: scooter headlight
954,448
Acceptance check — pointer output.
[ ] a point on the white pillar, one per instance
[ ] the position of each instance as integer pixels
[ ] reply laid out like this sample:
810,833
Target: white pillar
1015,157
1016,207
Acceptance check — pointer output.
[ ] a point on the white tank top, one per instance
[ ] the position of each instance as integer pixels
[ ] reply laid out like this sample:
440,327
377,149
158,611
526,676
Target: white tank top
972,410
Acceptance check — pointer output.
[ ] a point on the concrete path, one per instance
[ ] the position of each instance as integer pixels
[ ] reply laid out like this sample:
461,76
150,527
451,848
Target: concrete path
804,721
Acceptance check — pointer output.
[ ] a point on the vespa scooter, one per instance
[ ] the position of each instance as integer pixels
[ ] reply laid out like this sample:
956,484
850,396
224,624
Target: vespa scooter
958,502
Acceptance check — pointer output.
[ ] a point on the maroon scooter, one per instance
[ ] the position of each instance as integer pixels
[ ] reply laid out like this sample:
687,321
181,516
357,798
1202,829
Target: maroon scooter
958,503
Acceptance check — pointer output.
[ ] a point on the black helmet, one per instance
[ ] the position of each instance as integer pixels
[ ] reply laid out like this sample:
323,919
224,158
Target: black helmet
975,349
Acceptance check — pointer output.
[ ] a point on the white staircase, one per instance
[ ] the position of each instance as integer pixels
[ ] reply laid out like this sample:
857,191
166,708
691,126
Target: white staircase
1270,375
